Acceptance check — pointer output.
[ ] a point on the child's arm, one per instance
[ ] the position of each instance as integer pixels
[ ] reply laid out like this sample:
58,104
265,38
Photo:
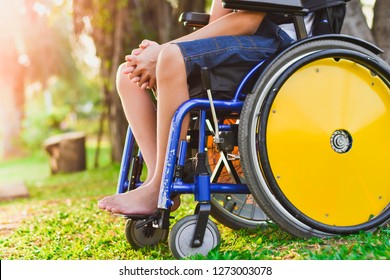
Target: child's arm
141,67
217,11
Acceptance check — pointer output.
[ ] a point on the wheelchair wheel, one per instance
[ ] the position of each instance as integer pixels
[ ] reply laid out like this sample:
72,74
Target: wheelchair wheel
146,236
314,139
232,210
181,237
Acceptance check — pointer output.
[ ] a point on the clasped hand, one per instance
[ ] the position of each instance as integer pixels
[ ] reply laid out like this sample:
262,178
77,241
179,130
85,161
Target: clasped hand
141,64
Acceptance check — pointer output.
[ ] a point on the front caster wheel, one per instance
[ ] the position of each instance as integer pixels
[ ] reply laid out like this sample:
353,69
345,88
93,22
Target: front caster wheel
182,233
145,236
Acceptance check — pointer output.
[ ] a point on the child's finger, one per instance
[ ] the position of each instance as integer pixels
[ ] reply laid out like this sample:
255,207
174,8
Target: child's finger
130,58
144,44
136,51
135,80
145,85
128,70
152,82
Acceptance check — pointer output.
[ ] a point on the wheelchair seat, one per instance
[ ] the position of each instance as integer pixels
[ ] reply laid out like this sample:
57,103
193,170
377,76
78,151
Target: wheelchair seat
290,7
283,6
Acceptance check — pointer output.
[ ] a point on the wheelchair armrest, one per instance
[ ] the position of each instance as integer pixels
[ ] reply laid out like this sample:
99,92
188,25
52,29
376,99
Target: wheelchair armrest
194,19
269,6
292,7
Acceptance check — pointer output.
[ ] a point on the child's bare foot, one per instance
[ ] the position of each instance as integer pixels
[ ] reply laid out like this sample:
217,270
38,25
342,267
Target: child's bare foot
141,201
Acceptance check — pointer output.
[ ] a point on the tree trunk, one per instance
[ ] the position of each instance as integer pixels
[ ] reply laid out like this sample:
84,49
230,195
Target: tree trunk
12,76
117,126
355,23
118,27
116,116
381,27
12,107
185,6
158,20
10,123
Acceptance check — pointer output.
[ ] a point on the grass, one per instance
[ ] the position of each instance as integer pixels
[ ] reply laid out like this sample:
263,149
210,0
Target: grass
36,166
61,220
24,169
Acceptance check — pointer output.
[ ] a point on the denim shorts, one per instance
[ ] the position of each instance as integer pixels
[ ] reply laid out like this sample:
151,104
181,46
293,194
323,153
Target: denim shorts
230,58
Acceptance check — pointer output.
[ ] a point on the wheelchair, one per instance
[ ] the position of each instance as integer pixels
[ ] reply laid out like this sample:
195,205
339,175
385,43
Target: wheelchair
302,144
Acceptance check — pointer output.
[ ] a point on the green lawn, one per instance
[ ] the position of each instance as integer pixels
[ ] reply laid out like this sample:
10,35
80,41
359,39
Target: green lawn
24,169
36,166
61,220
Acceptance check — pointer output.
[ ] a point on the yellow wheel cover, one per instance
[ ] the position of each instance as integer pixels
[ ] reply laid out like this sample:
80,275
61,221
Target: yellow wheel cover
328,142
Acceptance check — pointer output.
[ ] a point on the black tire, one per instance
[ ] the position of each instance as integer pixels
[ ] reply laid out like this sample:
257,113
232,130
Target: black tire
146,236
238,211
253,139
182,234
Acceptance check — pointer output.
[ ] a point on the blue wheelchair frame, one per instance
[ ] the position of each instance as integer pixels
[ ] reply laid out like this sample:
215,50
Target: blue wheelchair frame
201,188
172,182
176,152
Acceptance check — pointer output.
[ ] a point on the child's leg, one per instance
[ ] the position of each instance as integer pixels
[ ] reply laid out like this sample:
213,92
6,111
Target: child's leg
172,92
141,115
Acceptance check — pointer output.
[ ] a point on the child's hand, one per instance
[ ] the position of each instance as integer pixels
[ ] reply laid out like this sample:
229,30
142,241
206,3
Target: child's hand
141,65
132,64
146,43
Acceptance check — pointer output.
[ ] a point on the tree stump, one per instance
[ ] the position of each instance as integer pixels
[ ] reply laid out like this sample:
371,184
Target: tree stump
67,152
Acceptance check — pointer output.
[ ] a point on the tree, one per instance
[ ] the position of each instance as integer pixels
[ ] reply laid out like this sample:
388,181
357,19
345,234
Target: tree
355,23
118,27
35,46
11,81
381,27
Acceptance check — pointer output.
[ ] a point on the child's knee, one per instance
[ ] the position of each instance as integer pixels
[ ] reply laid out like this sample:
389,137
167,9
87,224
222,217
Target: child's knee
170,59
123,83
119,73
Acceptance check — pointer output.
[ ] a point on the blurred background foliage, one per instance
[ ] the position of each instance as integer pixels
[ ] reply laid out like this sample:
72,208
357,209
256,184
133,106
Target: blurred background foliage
58,61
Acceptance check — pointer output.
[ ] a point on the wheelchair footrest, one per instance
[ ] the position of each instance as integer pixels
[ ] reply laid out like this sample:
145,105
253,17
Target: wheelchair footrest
137,217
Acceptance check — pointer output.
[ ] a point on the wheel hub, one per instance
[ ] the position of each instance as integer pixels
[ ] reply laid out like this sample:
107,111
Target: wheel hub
341,141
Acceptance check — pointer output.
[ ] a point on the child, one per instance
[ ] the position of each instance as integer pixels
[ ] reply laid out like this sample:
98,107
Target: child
234,39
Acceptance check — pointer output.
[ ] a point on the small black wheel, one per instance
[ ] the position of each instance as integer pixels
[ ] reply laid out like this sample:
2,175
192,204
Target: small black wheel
181,237
145,236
